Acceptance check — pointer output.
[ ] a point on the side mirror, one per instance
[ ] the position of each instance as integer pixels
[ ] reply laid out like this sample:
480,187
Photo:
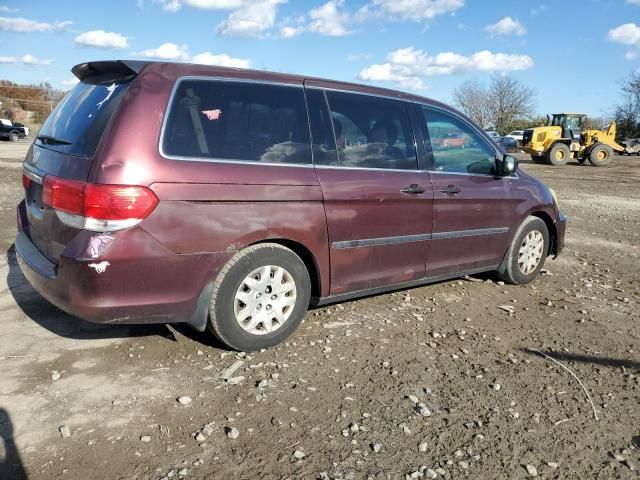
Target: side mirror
507,166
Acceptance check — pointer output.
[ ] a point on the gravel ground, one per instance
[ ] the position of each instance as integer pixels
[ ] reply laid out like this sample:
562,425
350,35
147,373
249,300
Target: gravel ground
435,382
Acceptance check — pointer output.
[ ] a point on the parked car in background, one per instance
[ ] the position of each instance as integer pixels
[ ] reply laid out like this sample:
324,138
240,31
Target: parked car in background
509,144
11,131
516,135
26,129
495,136
631,146
452,140
233,200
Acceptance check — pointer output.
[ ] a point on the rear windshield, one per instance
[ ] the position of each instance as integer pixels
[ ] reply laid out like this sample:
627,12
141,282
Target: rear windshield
77,123
238,121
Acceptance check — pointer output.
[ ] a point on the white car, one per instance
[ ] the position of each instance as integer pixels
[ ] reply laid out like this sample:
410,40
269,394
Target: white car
516,135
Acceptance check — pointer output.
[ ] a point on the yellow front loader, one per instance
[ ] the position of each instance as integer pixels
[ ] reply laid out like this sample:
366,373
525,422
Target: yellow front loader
563,138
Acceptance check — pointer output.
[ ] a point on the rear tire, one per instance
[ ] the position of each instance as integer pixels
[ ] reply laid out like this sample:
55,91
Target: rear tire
527,252
274,283
600,155
558,154
14,137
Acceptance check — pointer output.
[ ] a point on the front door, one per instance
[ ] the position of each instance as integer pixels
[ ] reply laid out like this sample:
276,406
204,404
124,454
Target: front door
378,204
472,206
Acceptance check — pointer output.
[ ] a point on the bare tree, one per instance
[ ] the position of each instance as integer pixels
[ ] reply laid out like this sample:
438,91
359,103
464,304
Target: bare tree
509,100
627,112
471,97
503,104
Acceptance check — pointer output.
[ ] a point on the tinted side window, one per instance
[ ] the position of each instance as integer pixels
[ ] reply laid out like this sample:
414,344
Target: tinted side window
456,146
372,132
238,121
322,140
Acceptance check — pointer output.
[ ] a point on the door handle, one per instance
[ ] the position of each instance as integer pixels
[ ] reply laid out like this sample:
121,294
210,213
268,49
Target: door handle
413,189
450,190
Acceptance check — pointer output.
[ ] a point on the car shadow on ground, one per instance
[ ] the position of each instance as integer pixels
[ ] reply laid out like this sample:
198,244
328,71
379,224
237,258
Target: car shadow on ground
573,357
526,160
11,466
56,321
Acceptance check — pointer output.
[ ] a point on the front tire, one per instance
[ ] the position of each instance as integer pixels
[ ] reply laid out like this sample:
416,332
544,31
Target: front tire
527,252
259,298
14,137
600,155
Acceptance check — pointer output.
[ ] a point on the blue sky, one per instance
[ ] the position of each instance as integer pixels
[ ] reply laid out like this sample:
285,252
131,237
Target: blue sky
572,52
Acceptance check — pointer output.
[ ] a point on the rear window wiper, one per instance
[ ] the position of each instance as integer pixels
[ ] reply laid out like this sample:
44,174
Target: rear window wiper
48,140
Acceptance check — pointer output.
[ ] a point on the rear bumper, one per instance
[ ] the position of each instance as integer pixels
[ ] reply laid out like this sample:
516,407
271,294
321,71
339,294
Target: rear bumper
136,281
561,227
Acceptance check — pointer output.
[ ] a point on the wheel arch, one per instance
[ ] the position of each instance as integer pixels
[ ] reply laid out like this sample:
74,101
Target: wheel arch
198,319
307,258
551,227
550,143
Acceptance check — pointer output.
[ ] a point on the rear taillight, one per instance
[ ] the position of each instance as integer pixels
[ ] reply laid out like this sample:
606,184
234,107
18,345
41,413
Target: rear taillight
63,195
98,207
26,182
118,202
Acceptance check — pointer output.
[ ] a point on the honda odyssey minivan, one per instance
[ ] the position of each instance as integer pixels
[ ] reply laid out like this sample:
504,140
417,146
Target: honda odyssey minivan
233,200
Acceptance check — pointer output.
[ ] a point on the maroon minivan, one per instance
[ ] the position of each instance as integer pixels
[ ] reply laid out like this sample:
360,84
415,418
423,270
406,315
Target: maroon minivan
232,199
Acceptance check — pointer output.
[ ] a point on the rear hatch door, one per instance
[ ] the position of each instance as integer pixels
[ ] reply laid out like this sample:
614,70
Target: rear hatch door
66,145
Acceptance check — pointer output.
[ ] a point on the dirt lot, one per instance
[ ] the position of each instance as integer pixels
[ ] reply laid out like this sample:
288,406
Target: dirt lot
432,382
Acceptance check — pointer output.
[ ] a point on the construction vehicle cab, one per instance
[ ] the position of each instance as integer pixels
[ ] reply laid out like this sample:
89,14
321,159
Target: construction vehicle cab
571,124
564,137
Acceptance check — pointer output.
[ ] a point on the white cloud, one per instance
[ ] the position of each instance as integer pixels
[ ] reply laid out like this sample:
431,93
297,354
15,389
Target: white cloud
633,2
166,51
222,60
24,25
175,5
180,53
408,66
251,21
289,32
334,19
415,10
330,19
388,72
538,10
627,34
4,8
217,4
506,26
29,59
172,6
631,54
101,39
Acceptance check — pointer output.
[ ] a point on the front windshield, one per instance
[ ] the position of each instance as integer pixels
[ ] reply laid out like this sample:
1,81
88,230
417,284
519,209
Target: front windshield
567,121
